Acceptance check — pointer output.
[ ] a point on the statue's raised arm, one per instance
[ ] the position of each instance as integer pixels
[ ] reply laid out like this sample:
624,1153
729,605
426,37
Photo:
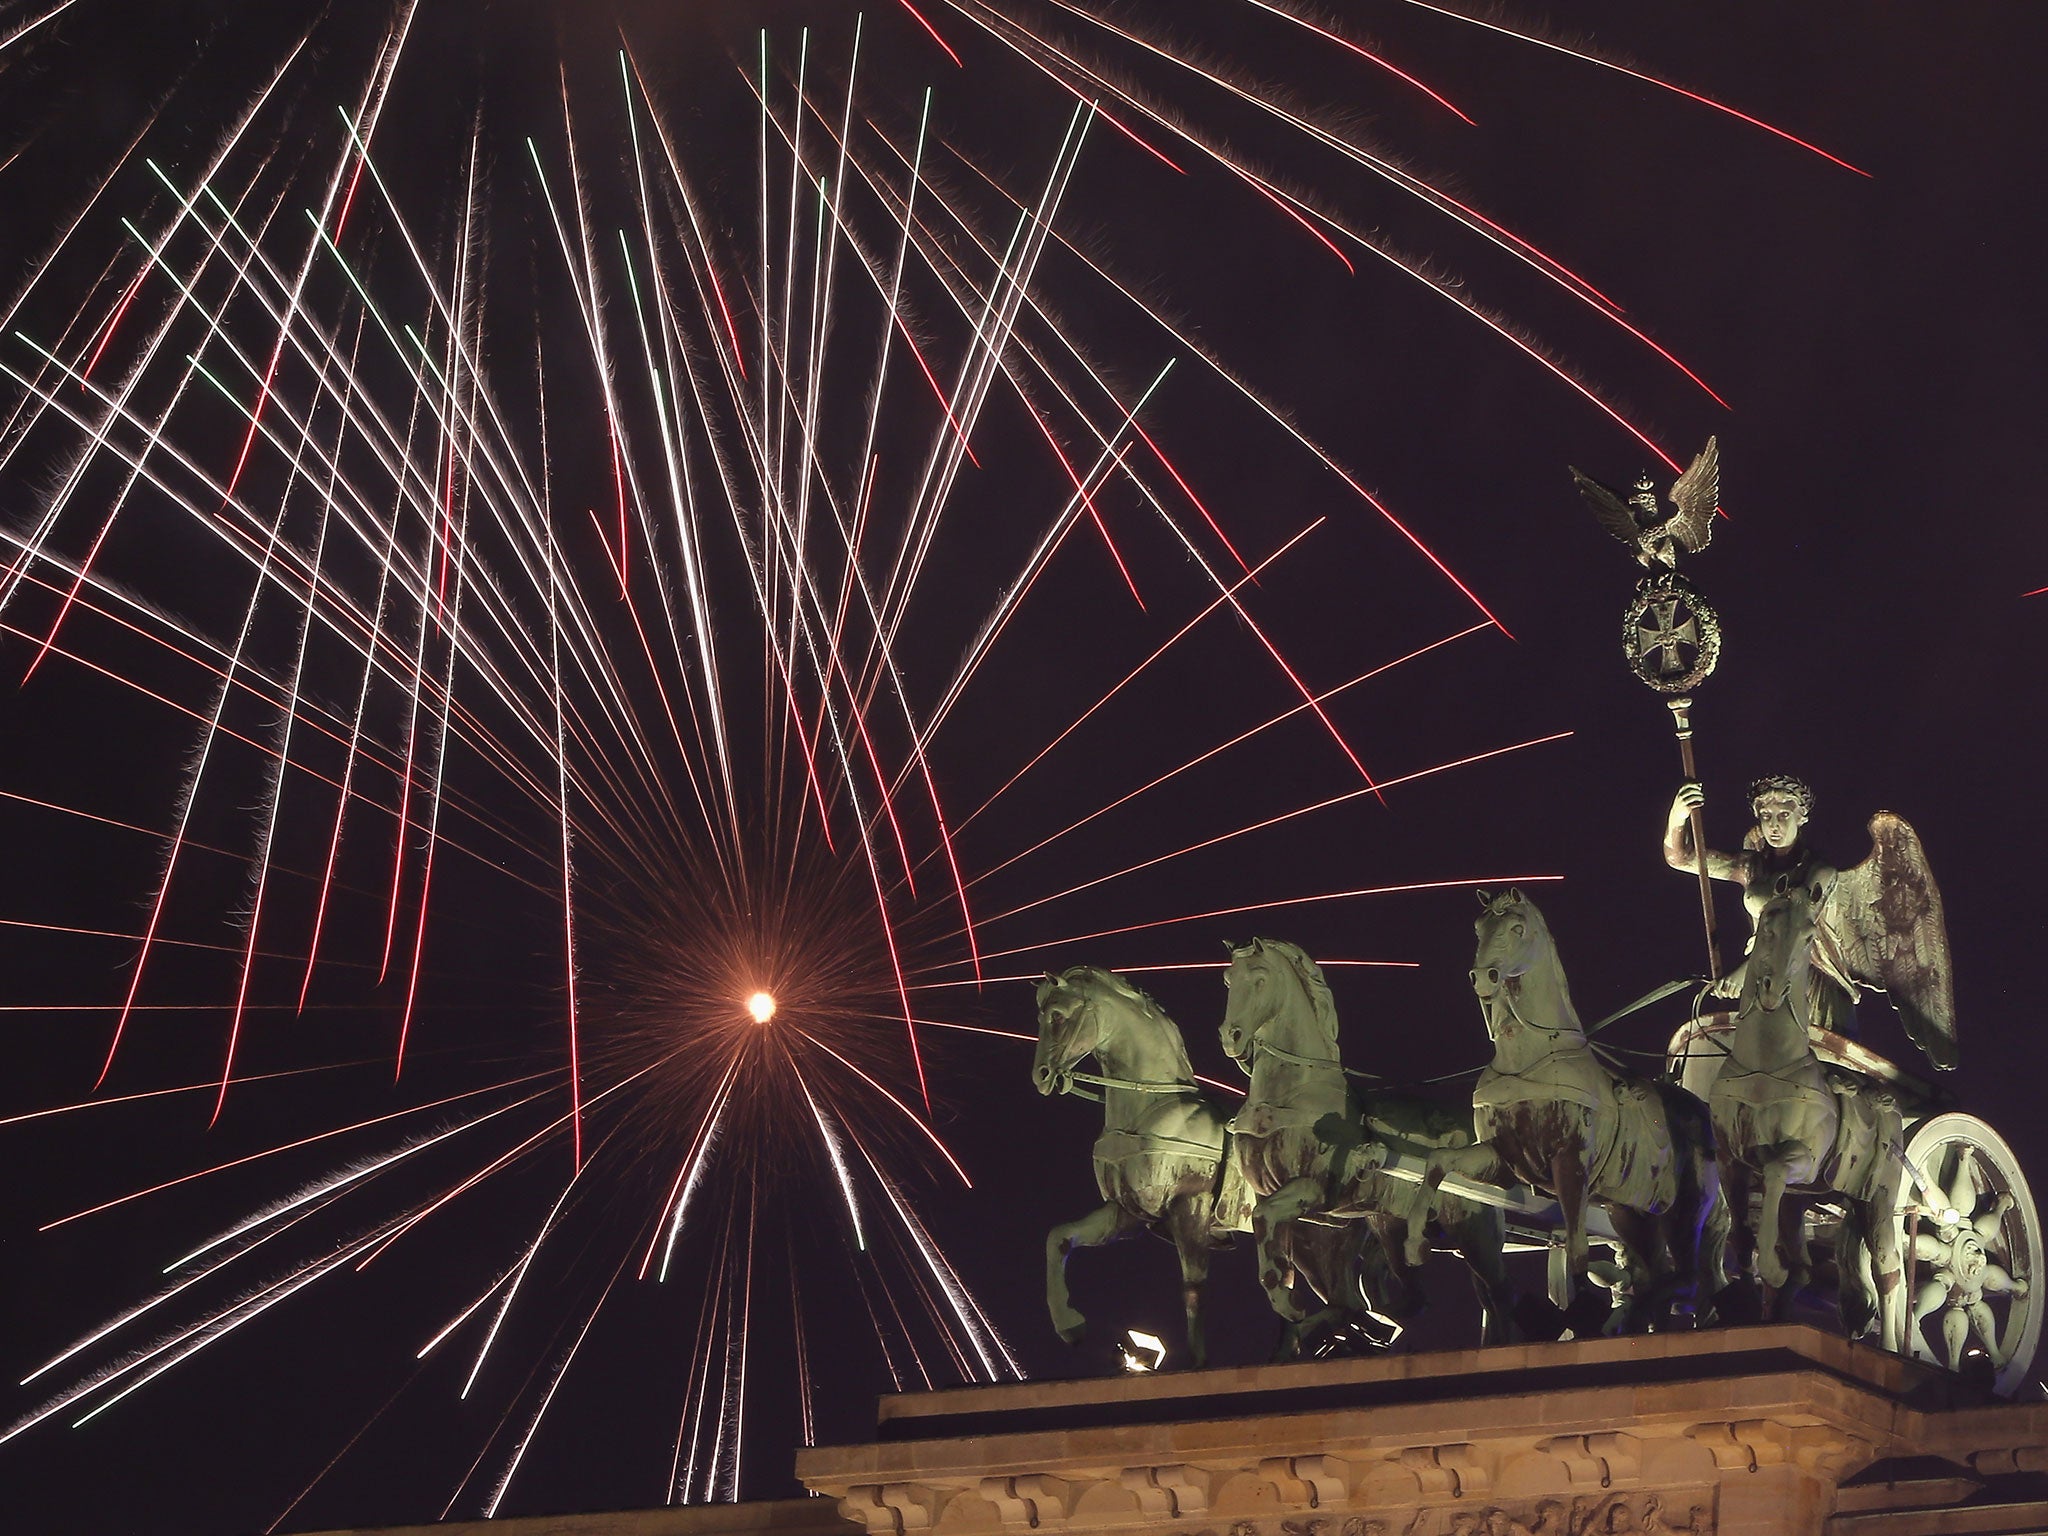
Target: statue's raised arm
1884,921
1678,849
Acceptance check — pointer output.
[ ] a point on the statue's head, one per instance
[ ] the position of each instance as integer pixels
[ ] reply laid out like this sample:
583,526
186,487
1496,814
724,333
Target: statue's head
1644,497
1782,805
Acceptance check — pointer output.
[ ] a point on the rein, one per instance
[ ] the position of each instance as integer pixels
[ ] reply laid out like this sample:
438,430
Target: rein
1607,1053
1147,1140
1261,1044
1654,995
1069,1079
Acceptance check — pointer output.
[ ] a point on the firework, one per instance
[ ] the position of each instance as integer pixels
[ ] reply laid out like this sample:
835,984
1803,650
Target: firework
616,585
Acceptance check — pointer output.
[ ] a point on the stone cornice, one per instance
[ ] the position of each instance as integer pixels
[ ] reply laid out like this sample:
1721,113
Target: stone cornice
1694,1432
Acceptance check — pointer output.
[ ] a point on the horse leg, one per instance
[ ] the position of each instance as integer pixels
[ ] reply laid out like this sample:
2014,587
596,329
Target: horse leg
1887,1254
1568,1183
1774,1258
1272,1229
1716,1224
1651,1275
1737,1184
1187,1221
1478,1162
1696,1226
1329,1259
1480,1234
1390,1285
1933,1294
1104,1225
1856,1302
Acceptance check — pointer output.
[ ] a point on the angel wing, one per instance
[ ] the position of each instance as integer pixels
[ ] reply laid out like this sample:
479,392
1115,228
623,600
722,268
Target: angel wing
1697,494
1884,918
1611,508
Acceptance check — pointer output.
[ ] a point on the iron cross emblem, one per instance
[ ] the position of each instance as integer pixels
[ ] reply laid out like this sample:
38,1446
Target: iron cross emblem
1672,638
1666,634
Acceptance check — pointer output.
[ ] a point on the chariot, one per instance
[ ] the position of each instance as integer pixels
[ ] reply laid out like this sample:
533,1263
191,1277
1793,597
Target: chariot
1967,1223
1969,1229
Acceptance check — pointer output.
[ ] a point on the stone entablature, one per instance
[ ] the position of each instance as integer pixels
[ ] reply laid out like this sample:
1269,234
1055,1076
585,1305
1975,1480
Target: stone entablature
1747,1432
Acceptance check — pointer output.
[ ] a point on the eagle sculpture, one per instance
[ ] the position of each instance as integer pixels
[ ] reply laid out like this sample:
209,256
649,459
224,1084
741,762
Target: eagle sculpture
1654,534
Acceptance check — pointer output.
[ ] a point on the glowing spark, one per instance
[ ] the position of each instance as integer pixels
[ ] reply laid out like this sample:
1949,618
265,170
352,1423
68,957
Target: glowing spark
761,1007
1488,881
1634,74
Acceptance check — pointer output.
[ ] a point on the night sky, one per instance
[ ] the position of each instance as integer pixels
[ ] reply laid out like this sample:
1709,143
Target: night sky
1881,341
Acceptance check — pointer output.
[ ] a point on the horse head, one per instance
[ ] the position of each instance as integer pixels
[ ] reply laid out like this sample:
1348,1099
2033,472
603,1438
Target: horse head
1066,1026
1266,979
1512,938
1252,1004
1783,950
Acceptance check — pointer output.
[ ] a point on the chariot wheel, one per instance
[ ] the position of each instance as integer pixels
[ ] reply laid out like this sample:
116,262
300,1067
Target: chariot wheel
1975,1270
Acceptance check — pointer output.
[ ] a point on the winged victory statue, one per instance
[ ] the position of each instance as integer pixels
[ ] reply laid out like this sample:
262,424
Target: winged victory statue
1879,925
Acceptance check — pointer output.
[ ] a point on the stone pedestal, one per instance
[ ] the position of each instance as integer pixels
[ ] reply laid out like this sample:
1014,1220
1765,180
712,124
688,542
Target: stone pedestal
1779,1431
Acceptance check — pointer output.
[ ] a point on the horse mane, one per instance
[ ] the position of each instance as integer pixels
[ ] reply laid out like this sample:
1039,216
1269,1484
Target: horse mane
1141,1001
1310,976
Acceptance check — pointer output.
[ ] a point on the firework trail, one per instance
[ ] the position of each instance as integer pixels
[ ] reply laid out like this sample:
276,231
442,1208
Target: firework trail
556,542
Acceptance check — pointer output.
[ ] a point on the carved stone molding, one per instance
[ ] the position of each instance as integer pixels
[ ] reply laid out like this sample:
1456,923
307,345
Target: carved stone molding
1786,1440
1600,1459
1753,1444
1458,1469
1306,1482
892,1509
2021,1458
1680,1512
1031,1501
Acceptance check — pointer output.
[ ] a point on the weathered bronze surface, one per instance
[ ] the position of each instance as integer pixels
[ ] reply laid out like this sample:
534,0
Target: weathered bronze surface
1769,1126
1653,535
1159,1162
1552,1114
1784,1126
1878,925
1308,1147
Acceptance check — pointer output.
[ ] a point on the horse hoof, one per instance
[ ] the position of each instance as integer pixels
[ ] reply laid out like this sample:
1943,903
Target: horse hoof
1074,1332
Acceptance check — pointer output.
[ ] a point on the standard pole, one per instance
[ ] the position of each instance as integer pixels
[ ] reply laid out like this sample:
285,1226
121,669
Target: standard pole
1681,720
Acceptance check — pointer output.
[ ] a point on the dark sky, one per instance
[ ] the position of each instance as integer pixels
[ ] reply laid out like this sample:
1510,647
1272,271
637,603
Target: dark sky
1880,342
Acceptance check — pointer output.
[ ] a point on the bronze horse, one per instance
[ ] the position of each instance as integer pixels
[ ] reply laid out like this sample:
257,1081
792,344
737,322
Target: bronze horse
1552,1114
1786,1127
1313,1152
